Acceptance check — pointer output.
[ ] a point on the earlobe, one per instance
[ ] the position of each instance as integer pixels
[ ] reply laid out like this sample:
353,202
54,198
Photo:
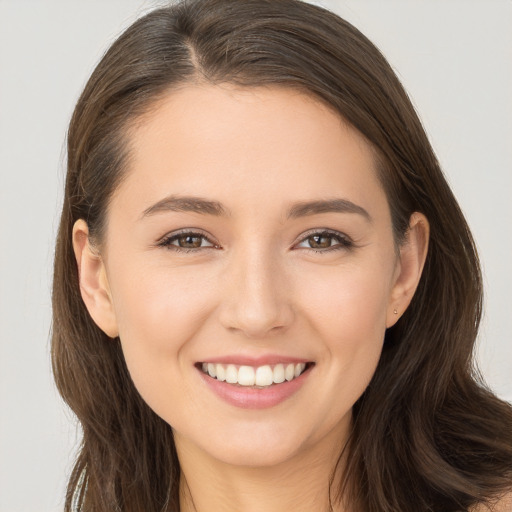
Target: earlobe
413,254
94,286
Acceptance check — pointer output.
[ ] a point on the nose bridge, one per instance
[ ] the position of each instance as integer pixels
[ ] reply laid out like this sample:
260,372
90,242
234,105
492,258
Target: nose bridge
256,299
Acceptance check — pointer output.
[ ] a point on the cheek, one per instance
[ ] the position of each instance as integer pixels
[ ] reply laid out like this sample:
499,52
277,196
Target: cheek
347,310
158,314
348,301
159,304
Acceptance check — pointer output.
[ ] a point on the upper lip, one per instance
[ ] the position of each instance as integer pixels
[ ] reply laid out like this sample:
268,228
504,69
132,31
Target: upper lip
269,359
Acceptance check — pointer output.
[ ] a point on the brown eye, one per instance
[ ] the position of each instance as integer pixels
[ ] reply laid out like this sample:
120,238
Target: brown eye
321,241
187,241
190,241
325,241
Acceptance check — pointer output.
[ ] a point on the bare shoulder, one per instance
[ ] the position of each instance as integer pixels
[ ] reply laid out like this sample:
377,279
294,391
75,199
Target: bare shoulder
504,504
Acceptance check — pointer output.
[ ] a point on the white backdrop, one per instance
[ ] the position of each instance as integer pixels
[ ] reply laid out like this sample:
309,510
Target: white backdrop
455,59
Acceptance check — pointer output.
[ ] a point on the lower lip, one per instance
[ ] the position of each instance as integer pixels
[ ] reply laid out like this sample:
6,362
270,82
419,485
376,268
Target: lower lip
253,398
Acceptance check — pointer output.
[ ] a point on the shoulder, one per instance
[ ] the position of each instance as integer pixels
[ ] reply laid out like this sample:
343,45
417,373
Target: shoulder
504,504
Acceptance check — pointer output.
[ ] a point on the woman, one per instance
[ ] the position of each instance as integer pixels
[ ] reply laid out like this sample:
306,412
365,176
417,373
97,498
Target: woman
265,293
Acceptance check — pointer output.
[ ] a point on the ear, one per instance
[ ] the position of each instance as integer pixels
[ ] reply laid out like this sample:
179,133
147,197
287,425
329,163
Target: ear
413,253
93,281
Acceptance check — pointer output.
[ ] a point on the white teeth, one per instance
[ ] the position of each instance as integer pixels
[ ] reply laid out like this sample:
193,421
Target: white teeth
231,374
261,376
264,376
221,372
246,376
299,368
278,376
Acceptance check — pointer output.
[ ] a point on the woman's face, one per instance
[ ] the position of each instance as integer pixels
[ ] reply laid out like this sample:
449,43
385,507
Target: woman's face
250,231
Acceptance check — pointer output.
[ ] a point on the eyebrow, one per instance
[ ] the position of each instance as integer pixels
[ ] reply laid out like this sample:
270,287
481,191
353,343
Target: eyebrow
336,205
187,204
203,206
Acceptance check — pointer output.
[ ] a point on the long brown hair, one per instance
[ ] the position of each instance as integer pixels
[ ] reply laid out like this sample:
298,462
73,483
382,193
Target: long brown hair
428,435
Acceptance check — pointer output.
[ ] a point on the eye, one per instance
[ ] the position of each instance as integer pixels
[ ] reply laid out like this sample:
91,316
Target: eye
325,241
187,241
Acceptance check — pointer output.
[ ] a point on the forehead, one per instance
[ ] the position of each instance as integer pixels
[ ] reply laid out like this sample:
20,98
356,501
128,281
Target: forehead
248,145
202,110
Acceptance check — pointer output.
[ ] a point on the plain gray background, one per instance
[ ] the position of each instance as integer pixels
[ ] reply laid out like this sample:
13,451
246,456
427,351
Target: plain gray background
455,59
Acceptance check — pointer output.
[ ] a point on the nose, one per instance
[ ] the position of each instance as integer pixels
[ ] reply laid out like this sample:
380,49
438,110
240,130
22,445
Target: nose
256,297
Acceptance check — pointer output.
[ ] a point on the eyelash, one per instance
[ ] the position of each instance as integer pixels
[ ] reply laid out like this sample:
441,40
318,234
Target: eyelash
344,242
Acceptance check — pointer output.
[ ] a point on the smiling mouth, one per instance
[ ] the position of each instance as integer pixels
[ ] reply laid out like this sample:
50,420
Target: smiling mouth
250,376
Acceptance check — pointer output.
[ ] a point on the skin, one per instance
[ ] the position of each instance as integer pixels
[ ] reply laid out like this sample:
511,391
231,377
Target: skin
259,288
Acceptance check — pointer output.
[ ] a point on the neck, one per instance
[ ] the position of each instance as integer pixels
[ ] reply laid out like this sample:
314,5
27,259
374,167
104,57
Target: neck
300,484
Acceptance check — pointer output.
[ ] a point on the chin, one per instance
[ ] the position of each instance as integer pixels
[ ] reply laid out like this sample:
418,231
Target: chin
265,444
257,455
